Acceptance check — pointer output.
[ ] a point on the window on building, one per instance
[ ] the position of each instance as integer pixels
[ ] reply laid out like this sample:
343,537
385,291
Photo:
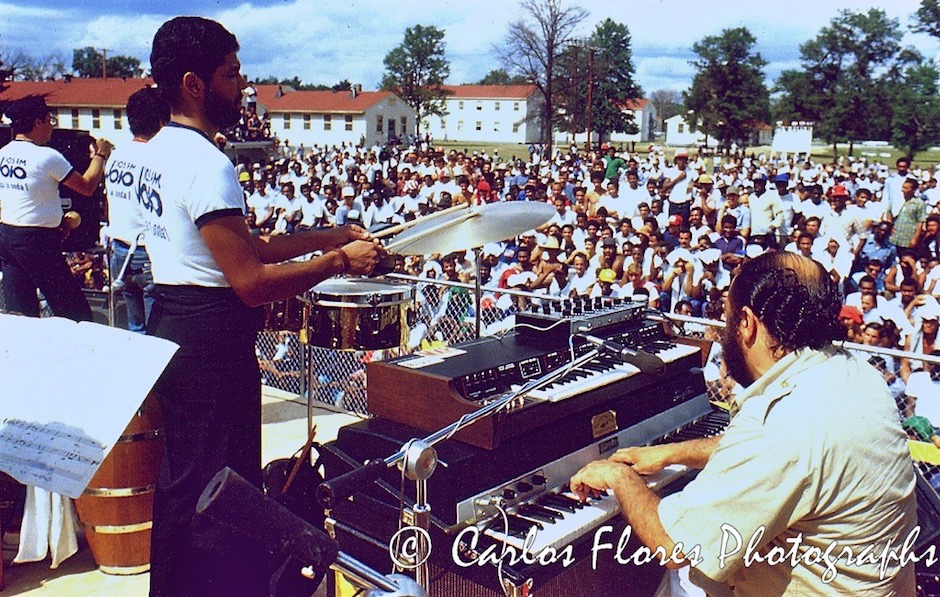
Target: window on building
460,105
496,105
349,122
460,125
307,122
515,106
118,120
380,124
479,125
286,121
681,128
479,106
404,125
95,119
327,122
443,124
515,127
496,126
74,118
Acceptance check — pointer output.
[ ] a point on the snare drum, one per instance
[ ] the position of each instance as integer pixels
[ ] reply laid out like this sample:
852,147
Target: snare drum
357,314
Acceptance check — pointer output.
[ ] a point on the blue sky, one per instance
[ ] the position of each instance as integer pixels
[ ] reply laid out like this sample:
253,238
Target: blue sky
325,41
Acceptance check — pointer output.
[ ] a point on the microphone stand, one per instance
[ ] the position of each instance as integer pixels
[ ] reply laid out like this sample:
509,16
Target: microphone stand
118,282
418,460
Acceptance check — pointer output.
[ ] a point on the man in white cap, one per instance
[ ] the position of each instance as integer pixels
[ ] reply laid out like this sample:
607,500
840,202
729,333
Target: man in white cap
676,184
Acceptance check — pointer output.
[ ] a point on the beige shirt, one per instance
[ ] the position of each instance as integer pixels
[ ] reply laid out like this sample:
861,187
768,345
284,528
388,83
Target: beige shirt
815,455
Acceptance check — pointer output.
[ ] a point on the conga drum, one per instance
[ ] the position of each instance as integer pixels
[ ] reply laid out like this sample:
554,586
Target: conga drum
116,510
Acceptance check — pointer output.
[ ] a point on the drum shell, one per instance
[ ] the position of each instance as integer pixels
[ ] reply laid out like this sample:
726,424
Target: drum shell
349,315
116,510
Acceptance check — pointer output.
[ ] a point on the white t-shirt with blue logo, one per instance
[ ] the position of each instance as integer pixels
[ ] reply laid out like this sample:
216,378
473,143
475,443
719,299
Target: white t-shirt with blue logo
185,182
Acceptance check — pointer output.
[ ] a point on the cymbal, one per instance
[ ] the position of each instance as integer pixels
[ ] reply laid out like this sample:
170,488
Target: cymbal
472,228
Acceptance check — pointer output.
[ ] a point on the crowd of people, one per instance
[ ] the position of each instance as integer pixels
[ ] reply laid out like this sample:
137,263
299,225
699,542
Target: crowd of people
672,230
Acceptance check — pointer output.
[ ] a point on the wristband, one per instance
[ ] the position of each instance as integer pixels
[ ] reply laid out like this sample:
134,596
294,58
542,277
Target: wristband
101,155
345,258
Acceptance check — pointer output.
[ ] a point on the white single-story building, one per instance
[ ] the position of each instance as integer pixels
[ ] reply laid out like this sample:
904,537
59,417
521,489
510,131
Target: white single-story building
679,133
490,113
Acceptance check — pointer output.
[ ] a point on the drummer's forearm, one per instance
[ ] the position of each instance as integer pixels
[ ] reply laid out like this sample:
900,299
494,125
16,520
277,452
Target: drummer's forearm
282,247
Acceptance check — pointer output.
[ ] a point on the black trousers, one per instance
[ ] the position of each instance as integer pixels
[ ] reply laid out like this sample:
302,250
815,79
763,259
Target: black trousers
32,259
210,395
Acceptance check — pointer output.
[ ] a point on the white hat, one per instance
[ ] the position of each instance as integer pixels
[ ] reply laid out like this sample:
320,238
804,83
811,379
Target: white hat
492,249
709,255
520,279
349,192
753,251
676,254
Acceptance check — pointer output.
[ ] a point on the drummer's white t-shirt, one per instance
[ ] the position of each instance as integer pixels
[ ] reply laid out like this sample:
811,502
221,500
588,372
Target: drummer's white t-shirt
185,182
29,184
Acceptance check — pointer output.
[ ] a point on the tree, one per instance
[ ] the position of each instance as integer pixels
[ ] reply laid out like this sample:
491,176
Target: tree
915,119
43,68
415,71
728,97
927,18
532,46
668,103
604,72
840,88
88,62
499,76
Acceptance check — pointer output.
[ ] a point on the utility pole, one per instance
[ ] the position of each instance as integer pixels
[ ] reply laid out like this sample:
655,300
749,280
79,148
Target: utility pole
104,62
590,93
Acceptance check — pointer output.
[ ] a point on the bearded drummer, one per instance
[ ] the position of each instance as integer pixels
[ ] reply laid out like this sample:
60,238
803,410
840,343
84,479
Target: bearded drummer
211,277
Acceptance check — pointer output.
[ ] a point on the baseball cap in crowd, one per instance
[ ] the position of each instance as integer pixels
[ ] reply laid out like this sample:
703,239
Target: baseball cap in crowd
753,251
608,242
243,177
782,178
348,192
849,312
929,311
733,190
759,177
838,191
682,153
705,179
675,220
607,275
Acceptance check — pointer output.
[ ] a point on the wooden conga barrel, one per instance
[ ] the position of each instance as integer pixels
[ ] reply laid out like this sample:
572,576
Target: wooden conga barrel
116,510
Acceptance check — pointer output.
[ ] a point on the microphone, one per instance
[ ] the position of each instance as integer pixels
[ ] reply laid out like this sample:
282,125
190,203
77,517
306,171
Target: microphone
642,360
618,349
236,504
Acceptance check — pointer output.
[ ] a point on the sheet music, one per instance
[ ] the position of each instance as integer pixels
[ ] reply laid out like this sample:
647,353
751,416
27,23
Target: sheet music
67,391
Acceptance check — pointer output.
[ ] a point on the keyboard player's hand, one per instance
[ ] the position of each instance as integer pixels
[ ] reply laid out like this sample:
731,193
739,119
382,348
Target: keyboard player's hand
644,460
597,477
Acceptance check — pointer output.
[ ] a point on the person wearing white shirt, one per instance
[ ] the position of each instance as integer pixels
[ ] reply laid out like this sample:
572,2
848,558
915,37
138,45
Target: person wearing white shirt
676,183
30,234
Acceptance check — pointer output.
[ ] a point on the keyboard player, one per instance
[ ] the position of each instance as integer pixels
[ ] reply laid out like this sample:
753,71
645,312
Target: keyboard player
814,457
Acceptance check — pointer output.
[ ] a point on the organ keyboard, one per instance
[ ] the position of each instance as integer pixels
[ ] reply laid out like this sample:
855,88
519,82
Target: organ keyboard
431,395
510,475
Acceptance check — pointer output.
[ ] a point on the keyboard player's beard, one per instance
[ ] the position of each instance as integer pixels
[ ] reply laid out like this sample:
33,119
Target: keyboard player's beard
733,353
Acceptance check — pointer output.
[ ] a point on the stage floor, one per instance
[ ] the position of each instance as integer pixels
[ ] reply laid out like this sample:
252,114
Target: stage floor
284,421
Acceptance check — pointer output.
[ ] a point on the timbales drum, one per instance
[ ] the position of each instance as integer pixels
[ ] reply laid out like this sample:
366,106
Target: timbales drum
357,314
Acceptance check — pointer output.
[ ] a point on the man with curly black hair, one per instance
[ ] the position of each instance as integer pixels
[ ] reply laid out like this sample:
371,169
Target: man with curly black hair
813,466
